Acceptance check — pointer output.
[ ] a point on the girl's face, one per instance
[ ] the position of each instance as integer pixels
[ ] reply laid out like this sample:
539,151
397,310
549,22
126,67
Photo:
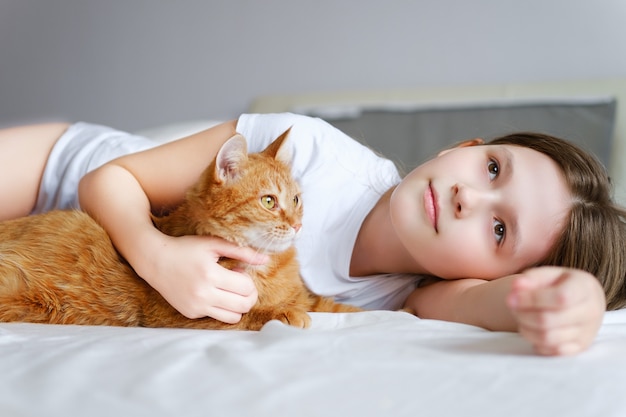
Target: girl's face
481,211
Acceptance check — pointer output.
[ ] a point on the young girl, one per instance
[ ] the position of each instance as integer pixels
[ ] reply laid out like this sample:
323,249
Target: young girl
474,212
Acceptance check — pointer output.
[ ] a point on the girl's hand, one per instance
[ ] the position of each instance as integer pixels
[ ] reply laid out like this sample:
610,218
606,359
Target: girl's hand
184,270
558,310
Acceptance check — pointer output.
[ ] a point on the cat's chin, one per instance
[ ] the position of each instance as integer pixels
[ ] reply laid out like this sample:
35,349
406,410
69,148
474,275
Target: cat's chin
269,246
273,248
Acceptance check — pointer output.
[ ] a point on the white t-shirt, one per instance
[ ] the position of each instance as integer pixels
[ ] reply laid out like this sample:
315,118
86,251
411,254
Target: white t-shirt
341,181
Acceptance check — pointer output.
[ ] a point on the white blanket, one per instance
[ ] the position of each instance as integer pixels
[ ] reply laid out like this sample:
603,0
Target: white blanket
375,363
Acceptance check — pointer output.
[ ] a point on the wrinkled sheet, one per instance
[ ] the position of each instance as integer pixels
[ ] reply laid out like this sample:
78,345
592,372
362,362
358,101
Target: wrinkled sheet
377,363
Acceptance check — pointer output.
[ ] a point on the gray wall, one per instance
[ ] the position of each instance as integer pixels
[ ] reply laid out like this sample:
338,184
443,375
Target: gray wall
139,63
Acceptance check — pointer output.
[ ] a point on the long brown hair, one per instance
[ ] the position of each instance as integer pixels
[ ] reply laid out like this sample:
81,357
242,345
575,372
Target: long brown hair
594,236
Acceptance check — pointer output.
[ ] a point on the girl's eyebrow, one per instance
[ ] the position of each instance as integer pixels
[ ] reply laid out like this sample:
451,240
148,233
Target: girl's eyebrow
508,163
508,160
515,236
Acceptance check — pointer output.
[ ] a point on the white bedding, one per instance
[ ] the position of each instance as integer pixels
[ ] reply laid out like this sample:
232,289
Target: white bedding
375,363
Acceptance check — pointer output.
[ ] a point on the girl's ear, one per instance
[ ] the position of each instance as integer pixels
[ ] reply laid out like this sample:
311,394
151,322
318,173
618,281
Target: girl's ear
465,143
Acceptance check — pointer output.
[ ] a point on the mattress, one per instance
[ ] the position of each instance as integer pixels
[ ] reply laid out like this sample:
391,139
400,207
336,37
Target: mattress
375,363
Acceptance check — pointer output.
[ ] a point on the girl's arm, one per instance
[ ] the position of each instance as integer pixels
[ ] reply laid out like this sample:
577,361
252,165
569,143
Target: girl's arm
121,195
558,310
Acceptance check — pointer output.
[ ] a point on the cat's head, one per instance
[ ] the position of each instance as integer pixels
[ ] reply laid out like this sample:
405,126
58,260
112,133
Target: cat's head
250,199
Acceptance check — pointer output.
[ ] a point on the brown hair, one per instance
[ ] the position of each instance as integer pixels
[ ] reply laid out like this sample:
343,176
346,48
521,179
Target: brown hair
594,236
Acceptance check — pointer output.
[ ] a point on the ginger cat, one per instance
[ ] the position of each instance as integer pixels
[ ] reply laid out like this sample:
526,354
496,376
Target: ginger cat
61,267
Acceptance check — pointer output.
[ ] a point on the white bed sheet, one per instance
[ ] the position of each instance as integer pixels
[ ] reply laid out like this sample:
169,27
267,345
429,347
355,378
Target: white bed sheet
377,363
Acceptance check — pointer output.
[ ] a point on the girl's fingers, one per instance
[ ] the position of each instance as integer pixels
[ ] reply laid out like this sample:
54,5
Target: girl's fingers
233,302
549,288
225,316
557,341
243,254
545,320
564,349
237,297
542,277
235,282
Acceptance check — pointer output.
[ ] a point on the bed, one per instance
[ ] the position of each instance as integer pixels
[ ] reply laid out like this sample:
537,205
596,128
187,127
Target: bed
375,363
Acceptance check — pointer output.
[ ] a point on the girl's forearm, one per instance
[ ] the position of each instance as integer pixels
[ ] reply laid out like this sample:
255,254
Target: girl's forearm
470,301
114,198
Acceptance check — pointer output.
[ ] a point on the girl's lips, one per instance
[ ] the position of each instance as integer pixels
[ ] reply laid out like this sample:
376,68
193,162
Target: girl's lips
430,203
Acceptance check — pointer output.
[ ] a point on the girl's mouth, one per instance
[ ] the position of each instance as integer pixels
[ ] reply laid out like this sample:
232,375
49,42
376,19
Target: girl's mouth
430,204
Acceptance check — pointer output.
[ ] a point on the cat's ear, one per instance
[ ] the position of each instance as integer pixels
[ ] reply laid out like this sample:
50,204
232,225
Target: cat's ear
229,158
280,149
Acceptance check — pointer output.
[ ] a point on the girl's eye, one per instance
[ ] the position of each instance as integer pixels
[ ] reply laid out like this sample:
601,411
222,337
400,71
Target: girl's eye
268,201
493,168
499,230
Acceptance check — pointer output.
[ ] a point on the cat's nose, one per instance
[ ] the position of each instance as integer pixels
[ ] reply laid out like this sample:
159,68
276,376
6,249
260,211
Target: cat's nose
297,227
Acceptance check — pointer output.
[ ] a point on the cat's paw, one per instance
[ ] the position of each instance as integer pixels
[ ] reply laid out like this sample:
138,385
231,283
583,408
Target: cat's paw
295,318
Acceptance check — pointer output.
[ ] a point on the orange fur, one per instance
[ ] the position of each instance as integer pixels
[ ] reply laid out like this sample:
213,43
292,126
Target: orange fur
61,267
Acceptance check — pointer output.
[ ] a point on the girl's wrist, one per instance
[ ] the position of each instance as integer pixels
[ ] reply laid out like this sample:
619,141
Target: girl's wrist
144,252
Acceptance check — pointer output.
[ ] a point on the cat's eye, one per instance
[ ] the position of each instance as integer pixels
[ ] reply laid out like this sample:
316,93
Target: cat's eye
296,200
268,201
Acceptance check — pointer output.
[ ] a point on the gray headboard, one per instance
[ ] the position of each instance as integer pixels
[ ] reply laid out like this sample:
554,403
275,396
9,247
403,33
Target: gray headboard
410,135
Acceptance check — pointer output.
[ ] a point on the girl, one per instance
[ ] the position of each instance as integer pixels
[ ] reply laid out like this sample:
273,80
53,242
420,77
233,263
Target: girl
473,212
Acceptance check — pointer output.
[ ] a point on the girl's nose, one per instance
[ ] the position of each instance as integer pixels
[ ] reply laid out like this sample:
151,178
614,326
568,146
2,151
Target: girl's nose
466,199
